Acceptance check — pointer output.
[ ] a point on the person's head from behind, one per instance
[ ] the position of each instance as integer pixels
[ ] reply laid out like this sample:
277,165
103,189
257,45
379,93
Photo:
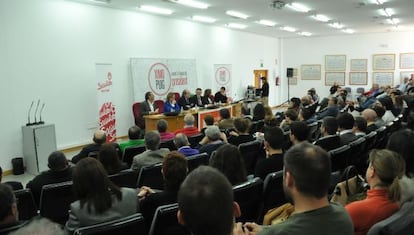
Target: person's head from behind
92,186
329,126
8,206
305,114
380,111
385,102
307,172
57,161
209,120
228,160
152,140
299,132
99,137
174,169
291,115
189,120
333,101
242,125
109,158
134,133
402,142
224,114
384,171
41,226
162,126
345,121
258,112
268,111
273,138
180,140
360,125
205,202
294,103
369,115
213,133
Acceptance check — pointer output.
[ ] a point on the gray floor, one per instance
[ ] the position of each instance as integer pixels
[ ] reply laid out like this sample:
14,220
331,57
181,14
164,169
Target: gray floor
26,177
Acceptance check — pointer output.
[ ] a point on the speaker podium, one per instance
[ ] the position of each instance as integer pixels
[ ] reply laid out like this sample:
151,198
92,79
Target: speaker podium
38,142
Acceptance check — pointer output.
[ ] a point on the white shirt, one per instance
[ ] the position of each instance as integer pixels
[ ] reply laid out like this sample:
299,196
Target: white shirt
388,116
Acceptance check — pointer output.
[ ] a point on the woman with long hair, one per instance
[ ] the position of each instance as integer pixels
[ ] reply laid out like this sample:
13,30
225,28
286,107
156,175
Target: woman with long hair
110,160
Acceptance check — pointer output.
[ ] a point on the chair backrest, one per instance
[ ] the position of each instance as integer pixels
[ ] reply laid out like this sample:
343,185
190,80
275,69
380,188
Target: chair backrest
400,223
176,96
251,152
165,221
197,160
133,224
151,176
357,151
313,129
336,177
370,140
169,144
381,137
131,152
257,126
195,139
55,200
135,110
286,141
25,204
160,105
340,157
126,178
360,90
273,194
249,196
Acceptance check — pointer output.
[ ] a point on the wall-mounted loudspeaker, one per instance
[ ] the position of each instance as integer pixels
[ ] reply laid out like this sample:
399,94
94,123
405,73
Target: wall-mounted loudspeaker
289,72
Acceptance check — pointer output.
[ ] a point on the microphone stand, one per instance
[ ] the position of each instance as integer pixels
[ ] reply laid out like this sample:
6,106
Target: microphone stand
28,115
41,110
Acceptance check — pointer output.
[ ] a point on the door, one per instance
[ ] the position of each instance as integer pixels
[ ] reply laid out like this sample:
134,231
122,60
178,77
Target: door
257,75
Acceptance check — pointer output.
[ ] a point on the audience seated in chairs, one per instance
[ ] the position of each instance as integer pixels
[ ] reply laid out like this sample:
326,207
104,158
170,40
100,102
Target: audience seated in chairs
189,128
384,171
345,125
329,140
13,184
8,210
258,112
360,127
110,161
59,171
99,138
226,122
147,107
241,133
299,132
174,171
331,111
99,200
212,141
162,127
183,146
209,121
273,141
370,116
306,115
154,154
228,160
380,111
290,116
134,135
205,202
307,172
41,226
294,103
386,103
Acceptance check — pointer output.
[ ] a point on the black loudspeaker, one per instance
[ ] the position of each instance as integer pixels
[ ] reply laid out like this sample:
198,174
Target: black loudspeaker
289,72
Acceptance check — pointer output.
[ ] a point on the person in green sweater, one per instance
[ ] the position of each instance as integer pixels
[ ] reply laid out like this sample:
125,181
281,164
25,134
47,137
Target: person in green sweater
134,134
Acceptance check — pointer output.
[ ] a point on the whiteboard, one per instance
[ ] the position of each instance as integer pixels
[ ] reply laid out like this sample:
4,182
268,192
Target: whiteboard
311,72
358,78
383,78
335,62
407,61
332,77
383,62
359,65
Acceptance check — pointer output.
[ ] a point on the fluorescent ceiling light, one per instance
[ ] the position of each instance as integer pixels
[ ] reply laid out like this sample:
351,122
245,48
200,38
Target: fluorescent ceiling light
379,2
236,26
237,14
156,10
298,7
100,1
393,21
267,23
336,25
289,29
204,19
388,12
348,31
306,34
321,18
192,3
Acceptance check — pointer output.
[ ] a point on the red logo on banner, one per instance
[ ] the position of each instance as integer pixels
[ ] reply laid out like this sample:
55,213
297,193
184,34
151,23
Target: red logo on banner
104,86
222,76
107,121
159,79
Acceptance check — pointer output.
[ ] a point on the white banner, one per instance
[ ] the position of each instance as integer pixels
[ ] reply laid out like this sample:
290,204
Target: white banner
105,100
162,76
222,78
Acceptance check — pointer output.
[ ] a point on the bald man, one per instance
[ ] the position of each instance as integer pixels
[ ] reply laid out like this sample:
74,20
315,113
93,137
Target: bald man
370,116
99,138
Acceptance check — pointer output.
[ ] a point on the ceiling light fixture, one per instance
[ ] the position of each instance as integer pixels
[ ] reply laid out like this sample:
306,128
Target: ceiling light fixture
321,18
393,21
192,3
267,23
236,26
350,31
298,7
388,12
100,1
237,14
336,25
306,34
289,29
379,2
156,10
203,19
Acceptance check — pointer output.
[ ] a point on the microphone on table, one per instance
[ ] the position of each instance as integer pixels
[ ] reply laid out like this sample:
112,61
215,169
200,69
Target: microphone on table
35,114
40,114
28,115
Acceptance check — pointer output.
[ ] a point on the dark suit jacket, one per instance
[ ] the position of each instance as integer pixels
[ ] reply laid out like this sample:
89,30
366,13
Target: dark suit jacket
329,112
185,103
194,101
219,97
271,164
372,128
207,100
329,142
85,151
209,148
347,138
144,109
236,140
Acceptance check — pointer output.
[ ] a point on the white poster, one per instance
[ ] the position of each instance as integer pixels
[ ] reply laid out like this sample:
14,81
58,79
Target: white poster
162,76
105,99
222,78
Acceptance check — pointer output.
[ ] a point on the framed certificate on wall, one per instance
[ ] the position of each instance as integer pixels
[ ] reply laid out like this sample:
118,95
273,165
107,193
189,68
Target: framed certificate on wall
332,77
358,78
407,61
311,72
383,78
360,65
383,62
335,62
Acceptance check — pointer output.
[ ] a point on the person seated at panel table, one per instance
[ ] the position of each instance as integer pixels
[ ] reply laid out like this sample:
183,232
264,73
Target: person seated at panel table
197,100
220,96
207,97
147,107
170,104
184,100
